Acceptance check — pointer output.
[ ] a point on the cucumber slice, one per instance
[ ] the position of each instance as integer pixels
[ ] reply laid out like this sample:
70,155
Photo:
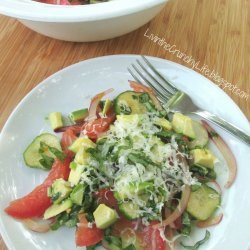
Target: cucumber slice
129,210
128,103
203,202
201,136
32,156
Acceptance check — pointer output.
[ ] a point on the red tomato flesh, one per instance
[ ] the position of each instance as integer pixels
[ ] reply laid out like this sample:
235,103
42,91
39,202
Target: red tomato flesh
35,203
149,238
105,196
97,127
86,236
68,137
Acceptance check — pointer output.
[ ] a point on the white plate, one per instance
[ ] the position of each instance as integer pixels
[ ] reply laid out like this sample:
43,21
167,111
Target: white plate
71,89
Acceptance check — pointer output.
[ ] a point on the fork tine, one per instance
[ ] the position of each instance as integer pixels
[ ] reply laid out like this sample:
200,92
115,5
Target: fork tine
170,85
139,81
163,89
164,97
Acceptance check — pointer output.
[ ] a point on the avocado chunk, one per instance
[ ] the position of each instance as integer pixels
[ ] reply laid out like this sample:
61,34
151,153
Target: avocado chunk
82,157
55,119
104,216
75,174
203,157
134,119
56,209
59,190
78,115
183,124
82,142
106,107
77,194
203,202
164,123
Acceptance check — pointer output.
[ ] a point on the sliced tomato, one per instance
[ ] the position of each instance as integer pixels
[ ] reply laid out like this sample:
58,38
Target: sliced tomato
35,203
149,238
64,2
106,196
123,224
87,236
97,127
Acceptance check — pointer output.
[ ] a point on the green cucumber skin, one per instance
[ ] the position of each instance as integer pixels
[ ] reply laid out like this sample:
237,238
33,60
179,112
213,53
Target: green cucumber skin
127,213
200,205
31,156
142,109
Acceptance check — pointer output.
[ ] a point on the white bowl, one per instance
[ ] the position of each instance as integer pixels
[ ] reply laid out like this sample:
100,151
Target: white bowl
83,23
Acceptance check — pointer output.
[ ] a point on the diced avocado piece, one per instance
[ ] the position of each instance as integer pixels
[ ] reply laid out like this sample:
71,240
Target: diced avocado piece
82,157
129,210
55,119
59,190
178,122
135,118
183,124
164,123
203,202
56,209
32,156
203,157
106,106
82,142
77,194
104,216
201,136
78,115
75,175
134,188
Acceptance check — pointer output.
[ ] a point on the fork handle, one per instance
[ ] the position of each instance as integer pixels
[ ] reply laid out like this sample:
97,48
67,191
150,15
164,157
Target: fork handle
229,127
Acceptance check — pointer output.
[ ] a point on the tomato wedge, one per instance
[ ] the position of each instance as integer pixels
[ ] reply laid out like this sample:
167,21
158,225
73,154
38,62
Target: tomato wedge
35,203
87,236
149,238
97,127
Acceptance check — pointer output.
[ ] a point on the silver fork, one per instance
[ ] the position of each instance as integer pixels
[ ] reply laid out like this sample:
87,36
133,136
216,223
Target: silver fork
177,101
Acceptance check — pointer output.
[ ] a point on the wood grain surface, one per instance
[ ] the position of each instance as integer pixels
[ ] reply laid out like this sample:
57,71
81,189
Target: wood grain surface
215,33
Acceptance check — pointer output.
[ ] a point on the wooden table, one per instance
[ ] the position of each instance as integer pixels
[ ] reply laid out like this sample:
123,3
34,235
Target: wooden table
215,33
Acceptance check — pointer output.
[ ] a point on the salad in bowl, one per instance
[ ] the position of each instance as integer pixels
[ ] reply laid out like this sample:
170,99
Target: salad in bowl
126,174
72,2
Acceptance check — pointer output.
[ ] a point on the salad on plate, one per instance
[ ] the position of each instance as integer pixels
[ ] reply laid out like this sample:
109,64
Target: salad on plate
126,174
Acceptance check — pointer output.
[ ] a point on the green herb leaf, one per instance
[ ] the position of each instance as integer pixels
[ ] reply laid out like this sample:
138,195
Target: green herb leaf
199,243
45,148
59,154
125,109
46,161
143,98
